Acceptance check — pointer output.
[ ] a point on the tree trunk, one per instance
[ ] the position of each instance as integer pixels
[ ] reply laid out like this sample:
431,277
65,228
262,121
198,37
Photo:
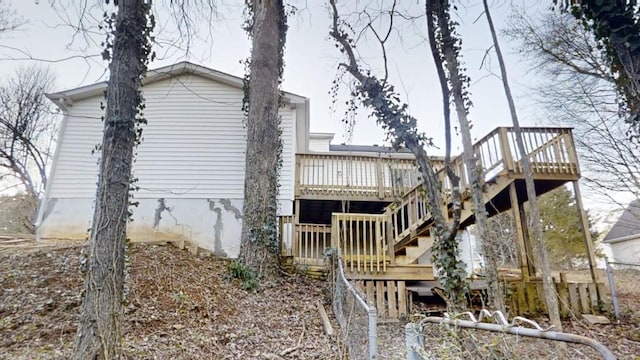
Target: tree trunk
100,325
449,48
401,129
259,249
551,298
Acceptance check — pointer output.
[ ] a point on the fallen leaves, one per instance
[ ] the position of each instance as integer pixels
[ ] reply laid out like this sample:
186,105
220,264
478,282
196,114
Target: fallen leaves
179,307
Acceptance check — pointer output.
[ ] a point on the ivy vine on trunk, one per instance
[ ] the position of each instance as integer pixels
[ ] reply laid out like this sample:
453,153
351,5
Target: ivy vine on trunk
445,49
100,326
401,129
267,26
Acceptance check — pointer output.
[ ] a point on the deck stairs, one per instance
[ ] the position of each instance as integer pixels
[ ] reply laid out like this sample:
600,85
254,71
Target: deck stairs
415,241
409,222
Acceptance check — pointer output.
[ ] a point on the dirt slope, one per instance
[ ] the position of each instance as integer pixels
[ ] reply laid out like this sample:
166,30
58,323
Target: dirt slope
178,307
184,307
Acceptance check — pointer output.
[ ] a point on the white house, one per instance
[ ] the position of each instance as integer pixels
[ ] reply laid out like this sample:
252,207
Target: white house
190,165
624,236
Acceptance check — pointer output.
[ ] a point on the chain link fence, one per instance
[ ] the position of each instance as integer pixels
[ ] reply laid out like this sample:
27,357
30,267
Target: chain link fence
491,336
618,275
357,319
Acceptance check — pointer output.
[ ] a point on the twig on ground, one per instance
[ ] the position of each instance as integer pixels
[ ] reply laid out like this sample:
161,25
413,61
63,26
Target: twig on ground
294,348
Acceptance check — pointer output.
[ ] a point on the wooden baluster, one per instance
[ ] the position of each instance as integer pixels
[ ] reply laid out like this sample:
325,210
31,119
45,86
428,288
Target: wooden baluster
335,235
380,178
296,241
358,239
307,249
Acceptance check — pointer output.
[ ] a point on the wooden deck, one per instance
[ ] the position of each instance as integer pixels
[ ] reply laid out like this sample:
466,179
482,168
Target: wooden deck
399,235
394,245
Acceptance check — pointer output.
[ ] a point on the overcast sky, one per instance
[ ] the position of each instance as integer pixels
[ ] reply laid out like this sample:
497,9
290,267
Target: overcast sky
311,58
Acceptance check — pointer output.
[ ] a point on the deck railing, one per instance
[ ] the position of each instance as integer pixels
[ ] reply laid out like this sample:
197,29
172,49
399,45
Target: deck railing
550,150
305,242
355,177
362,239
286,234
310,243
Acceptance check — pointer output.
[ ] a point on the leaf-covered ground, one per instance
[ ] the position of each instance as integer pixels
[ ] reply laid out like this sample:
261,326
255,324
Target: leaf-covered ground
181,306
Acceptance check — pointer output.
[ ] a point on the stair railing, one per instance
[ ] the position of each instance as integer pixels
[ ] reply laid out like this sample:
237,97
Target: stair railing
550,149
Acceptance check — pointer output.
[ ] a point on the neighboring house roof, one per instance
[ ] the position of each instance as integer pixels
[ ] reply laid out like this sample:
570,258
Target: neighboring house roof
67,97
628,225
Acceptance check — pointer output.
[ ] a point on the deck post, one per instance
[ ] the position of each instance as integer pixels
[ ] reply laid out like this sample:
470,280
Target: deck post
295,239
573,157
391,244
298,175
525,267
505,149
587,234
380,179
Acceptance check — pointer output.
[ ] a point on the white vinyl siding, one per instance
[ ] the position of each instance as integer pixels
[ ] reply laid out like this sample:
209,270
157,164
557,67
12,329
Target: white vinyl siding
193,145
319,145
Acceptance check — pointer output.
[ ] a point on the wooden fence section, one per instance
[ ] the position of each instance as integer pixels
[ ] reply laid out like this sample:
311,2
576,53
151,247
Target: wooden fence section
362,240
574,298
354,177
390,298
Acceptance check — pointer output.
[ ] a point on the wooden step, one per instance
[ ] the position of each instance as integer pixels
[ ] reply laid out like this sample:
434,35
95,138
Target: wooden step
398,272
414,252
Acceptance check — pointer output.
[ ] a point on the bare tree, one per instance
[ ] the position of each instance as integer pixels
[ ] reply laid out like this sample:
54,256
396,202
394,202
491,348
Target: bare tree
551,297
579,91
616,28
27,127
8,18
501,232
259,249
401,128
100,326
445,48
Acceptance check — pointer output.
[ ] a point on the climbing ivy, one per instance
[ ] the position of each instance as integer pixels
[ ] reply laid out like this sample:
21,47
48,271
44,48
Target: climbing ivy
401,130
260,229
147,55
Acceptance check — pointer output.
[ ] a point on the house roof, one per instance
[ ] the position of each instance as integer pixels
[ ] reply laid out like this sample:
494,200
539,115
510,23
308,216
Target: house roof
628,225
368,149
67,97
319,135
